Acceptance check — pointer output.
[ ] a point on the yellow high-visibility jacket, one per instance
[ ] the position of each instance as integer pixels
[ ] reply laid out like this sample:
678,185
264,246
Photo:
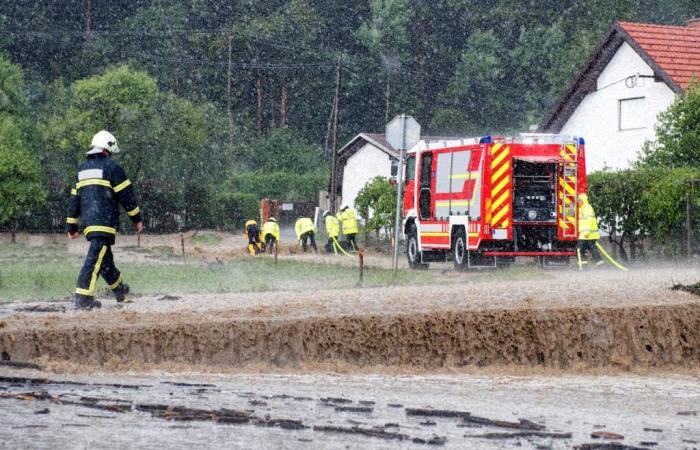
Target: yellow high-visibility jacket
303,225
349,220
332,226
271,228
249,222
587,223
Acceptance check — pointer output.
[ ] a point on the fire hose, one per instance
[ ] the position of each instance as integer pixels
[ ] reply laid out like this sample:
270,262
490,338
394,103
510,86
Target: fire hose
607,256
336,245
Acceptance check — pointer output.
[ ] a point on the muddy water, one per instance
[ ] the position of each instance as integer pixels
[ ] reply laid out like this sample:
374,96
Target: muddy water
622,321
641,409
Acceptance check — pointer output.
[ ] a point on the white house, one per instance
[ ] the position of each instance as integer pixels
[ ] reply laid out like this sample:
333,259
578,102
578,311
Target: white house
366,156
634,74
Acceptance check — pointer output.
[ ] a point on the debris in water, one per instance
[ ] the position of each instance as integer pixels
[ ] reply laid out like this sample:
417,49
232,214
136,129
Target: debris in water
42,411
687,413
19,365
43,308
429,423
655,430
355,409
435,412
690,288
168,298
370,432
187,384
649,443
607,446
394,405
335,400
521,434
606,435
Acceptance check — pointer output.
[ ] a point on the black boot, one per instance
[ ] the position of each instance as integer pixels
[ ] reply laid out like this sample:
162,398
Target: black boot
120,292
86,302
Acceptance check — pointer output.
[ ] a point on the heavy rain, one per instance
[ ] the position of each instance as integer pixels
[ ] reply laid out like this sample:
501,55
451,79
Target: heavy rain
350,224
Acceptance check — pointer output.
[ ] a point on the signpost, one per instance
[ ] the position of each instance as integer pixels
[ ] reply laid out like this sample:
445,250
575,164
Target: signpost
403,132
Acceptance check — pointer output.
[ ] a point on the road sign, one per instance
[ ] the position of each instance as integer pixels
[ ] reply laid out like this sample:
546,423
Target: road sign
403,132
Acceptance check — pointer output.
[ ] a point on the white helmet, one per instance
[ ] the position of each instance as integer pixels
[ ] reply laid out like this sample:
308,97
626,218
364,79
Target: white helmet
103,140
272,219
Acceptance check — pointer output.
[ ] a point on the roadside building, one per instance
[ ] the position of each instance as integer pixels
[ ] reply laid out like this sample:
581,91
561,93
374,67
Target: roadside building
635,72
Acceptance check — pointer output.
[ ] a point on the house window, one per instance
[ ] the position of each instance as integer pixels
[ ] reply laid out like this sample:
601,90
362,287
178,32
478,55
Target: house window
630,114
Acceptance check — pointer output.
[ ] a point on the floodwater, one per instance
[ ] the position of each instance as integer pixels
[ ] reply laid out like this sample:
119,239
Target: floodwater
322,410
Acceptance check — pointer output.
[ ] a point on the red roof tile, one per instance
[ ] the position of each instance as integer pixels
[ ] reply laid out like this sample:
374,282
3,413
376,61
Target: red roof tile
675,49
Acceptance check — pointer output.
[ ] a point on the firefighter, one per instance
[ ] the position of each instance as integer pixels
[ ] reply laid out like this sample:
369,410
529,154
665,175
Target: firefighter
305,230
588,234
253,234
270,234
94,203
332,230
348,218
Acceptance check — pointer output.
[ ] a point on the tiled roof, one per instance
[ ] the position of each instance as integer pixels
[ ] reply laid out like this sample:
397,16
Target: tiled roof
675,49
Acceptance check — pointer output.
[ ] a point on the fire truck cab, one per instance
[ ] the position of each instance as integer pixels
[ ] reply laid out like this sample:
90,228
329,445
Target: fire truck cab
484,201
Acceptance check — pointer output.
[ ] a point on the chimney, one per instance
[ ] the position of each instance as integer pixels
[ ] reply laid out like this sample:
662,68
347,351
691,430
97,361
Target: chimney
693,23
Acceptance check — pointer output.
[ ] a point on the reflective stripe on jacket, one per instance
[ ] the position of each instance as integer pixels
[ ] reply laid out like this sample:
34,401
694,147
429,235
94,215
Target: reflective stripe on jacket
304,225
587,223
332,226
94,201
349,220
271,228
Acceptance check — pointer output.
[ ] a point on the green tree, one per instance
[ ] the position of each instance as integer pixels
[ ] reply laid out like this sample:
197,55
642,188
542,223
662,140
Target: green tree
666,200
376,201
677,133
21,186
170,146
620,205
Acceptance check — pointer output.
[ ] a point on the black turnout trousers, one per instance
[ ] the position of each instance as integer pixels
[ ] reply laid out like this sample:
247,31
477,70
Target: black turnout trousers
98,262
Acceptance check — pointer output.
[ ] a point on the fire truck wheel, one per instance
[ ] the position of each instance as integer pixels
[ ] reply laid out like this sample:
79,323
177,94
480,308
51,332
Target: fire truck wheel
460,250
412,253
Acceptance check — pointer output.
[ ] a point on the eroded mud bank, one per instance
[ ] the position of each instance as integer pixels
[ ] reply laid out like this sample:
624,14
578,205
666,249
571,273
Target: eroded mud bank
574,338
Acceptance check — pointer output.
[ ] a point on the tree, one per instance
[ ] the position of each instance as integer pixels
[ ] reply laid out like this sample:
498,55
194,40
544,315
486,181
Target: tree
20,179
170,146
619,202
677,133
376,201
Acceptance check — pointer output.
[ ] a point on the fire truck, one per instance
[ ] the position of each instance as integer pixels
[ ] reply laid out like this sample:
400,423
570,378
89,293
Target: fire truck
482,202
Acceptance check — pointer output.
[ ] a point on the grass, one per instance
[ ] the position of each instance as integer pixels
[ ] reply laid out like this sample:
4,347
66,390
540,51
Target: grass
49,273
205,239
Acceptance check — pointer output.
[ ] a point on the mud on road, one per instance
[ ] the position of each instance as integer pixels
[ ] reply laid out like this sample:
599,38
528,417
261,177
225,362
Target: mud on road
315,411
570,321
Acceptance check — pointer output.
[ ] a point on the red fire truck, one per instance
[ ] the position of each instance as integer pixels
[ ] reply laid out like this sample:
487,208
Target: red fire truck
482,202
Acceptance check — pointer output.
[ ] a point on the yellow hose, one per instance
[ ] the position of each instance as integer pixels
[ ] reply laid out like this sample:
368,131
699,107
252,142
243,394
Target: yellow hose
602,250
338,246
578,256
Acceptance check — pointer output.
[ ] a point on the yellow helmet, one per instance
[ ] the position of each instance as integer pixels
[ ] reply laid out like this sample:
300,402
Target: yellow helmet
583,197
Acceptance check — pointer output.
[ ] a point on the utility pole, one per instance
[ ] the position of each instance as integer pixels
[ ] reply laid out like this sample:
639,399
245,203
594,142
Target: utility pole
228,84
283,104
88,20
688,224
334,159
258,91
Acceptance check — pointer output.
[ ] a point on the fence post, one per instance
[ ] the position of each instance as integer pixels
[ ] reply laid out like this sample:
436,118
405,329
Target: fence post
361,255
182,243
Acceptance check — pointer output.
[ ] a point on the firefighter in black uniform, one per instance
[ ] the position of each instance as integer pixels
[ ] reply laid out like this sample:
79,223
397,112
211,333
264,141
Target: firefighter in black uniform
94,204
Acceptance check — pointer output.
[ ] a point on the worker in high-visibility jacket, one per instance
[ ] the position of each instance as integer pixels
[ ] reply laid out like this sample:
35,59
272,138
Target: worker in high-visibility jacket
270,235
305,230
588,233
332,230
252,232
348,218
